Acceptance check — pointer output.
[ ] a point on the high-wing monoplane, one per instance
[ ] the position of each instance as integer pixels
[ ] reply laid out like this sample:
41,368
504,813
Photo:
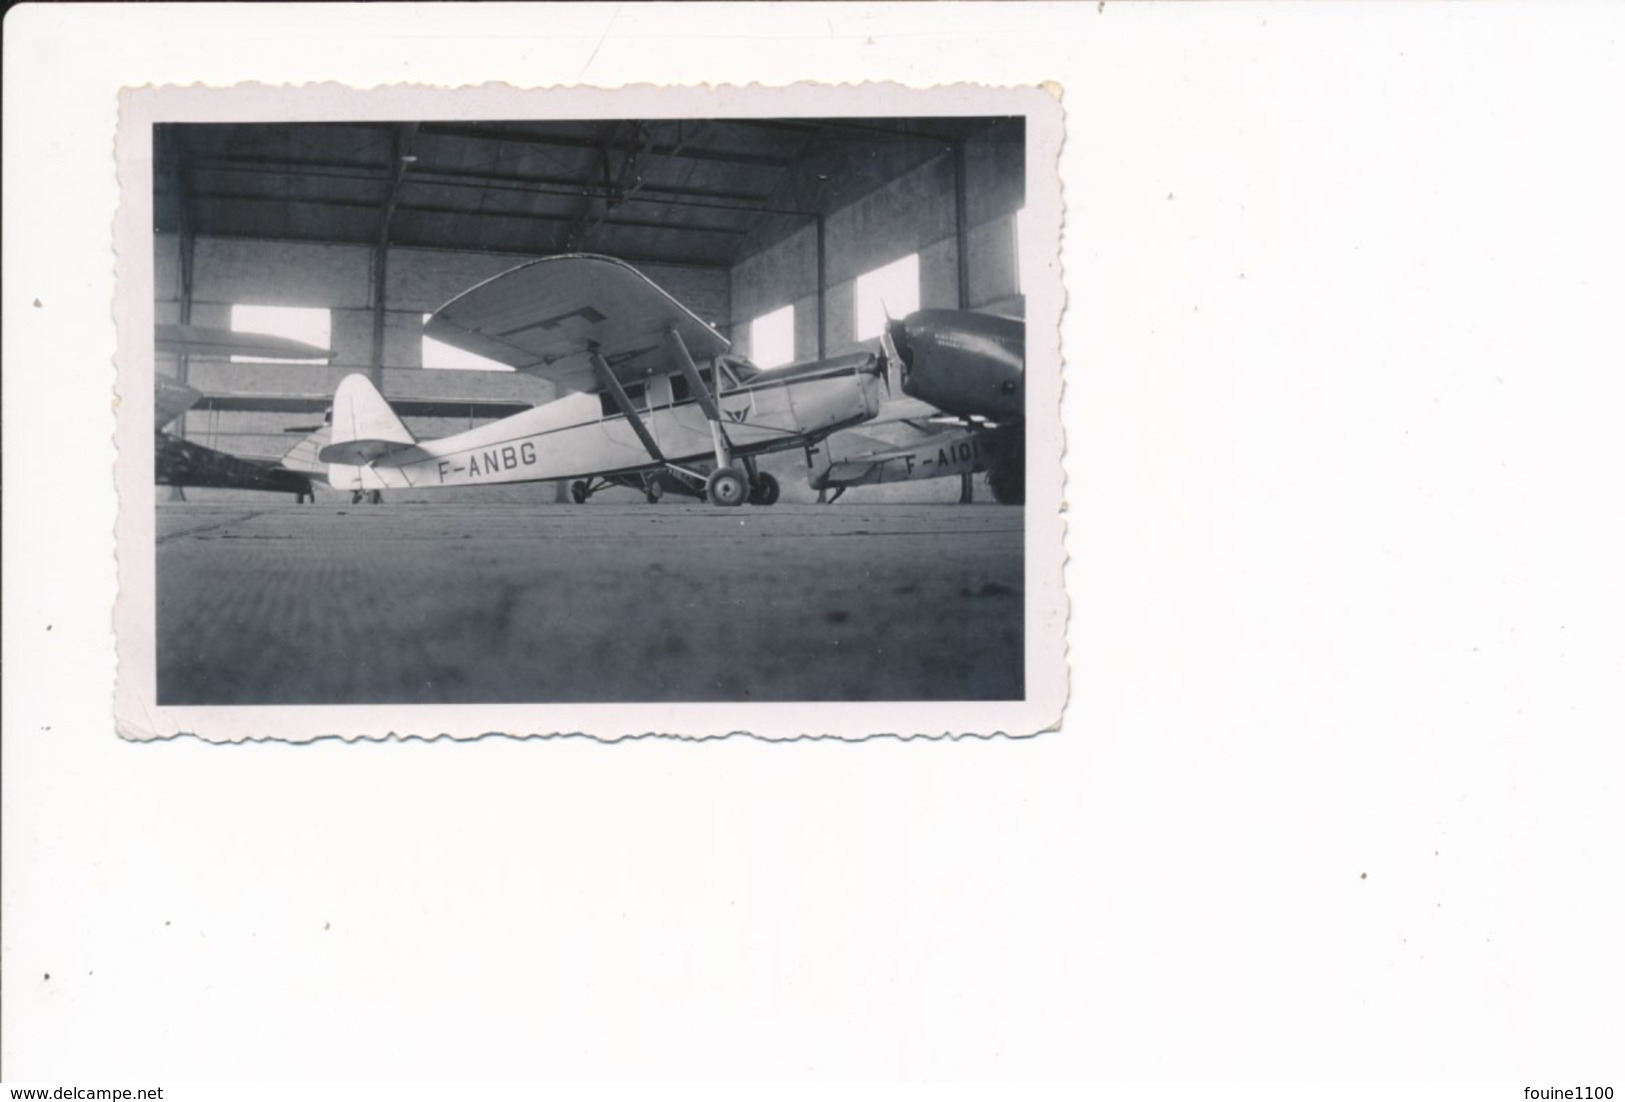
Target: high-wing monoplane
964,374
650,395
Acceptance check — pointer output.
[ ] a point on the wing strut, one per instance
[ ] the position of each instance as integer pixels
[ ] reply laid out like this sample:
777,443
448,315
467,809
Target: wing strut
708,404
617,392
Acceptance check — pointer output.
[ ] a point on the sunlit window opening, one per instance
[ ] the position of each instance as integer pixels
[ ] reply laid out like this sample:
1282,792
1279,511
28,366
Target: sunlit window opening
310,324
441,356
773,338
893,290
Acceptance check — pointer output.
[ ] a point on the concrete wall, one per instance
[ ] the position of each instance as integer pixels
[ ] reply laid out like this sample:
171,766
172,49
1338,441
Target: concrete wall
912,214
786,274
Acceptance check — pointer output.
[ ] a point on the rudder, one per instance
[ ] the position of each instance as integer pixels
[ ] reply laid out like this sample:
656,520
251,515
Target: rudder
364,428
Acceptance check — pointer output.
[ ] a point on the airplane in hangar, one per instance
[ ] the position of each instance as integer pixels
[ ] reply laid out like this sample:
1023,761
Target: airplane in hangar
178,462
964,375
650,398
181,463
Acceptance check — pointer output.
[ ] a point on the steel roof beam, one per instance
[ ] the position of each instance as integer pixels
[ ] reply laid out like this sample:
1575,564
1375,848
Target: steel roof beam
405,242
460,177
570,141
825,126
464,212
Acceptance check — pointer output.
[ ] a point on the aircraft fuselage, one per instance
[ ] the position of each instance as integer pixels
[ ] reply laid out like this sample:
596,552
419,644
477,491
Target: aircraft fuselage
954,450
183,463
581,434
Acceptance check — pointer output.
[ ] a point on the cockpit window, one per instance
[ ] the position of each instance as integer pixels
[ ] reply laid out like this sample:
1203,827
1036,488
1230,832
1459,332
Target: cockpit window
737,371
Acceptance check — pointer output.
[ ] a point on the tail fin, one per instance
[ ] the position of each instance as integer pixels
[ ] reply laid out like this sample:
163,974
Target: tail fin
365,429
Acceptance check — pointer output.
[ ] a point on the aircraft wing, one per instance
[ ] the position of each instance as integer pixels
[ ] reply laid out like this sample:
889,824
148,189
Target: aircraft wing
171,399
545,317
200,340
469,409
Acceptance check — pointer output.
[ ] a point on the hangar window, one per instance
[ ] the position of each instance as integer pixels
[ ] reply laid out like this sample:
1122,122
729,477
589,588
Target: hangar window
308,324
773,338
440,356
892,290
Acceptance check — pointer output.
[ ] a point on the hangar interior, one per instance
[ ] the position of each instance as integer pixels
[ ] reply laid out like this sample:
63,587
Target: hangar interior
788,235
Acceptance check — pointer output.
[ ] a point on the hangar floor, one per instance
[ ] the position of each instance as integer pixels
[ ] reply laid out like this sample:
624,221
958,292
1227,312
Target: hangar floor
440,603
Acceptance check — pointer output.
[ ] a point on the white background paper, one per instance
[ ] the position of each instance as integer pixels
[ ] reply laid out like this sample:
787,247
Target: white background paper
1338,793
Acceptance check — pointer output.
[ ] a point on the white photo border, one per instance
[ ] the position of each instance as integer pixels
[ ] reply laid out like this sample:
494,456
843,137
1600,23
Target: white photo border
140,717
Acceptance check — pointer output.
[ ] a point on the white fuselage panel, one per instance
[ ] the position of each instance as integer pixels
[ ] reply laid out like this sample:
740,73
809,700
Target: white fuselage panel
581,435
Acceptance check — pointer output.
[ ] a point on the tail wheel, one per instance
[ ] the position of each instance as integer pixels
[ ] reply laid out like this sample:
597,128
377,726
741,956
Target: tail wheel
764,490
578,492
726,487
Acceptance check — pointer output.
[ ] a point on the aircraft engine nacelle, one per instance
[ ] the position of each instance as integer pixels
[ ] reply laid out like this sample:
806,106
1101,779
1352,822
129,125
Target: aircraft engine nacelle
968,365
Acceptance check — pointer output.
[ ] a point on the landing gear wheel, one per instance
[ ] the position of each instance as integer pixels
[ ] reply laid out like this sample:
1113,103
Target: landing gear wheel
1008,481
653,492
578,492
357,496
376,497
764,490
727,487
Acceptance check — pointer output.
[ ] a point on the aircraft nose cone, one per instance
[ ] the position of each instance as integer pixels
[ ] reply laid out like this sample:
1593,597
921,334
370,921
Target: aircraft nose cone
900,346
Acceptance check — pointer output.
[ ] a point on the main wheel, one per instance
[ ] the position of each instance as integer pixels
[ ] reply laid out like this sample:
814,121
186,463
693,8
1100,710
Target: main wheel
653,492
1008,480
726,486
764,490
578,492
376,497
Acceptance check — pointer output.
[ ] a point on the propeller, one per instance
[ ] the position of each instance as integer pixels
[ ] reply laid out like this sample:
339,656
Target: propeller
894,339
888,347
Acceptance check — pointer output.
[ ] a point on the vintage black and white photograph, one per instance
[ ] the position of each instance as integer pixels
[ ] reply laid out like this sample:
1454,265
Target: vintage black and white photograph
640,409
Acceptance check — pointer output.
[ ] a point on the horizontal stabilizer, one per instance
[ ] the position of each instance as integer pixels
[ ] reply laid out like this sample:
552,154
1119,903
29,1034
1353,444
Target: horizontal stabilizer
365,428
360,453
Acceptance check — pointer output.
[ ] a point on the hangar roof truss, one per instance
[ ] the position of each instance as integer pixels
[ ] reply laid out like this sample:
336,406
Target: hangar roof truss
701,192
